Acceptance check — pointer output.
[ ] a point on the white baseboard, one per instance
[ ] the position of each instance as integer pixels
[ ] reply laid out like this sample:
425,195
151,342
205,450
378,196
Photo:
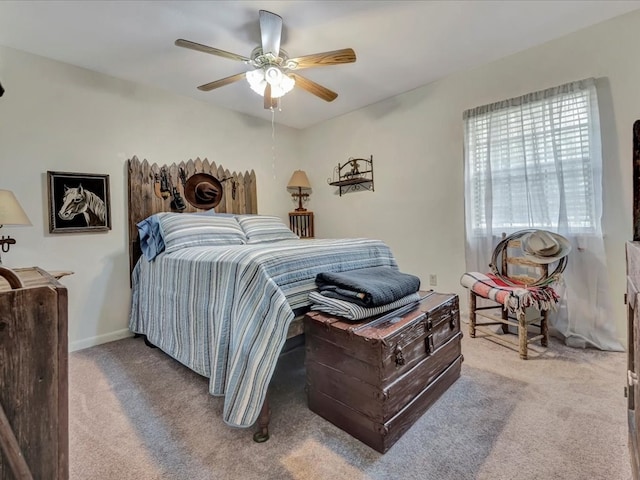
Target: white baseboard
100,339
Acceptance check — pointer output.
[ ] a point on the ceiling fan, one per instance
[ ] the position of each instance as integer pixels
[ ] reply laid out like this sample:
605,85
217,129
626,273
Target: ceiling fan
272,75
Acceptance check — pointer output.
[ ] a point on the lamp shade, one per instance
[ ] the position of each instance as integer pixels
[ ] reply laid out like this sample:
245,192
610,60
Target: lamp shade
299,180
11,213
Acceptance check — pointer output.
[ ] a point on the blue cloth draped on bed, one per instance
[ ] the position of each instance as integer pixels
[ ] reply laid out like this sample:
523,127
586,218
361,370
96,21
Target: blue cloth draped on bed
224,311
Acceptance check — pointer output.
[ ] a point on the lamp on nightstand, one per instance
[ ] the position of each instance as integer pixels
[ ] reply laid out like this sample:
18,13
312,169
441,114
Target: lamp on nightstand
300,181
11,213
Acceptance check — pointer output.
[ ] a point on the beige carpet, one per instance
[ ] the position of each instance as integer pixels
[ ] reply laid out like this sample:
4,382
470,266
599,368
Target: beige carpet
137,414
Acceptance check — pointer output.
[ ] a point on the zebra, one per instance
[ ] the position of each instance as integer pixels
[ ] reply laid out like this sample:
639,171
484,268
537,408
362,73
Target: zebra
78,200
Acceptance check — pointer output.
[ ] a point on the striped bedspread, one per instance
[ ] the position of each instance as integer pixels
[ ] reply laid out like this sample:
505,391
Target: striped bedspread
224,311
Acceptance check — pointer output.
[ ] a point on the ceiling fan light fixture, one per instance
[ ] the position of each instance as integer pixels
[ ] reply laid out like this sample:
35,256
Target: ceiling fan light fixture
256,81
281,83
286,85
273,75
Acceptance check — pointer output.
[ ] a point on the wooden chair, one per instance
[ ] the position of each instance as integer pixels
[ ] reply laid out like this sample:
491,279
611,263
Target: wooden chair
515,284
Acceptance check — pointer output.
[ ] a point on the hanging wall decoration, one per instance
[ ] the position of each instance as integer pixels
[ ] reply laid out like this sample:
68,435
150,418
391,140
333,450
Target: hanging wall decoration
78,202
354,174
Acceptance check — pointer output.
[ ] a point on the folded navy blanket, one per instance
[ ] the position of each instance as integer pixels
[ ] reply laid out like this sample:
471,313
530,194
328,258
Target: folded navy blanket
368,287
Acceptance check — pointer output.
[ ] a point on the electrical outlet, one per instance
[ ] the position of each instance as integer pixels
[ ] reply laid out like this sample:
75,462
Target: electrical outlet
433,280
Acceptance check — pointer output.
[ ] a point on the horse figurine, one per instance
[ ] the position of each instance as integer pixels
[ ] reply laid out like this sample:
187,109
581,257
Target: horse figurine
80,201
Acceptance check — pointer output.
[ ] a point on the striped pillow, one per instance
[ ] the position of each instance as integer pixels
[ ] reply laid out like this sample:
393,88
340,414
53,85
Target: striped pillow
183,230
265,228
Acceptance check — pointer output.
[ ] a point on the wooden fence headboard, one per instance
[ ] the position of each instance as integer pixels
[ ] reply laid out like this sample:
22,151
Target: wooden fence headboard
239,192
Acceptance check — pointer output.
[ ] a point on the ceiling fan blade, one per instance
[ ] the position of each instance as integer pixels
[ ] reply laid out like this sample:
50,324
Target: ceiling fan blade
207,87
269,102
213,51
314,88
271,32
335,57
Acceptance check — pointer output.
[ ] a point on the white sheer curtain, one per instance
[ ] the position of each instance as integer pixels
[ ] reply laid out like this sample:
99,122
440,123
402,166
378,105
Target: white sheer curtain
536,162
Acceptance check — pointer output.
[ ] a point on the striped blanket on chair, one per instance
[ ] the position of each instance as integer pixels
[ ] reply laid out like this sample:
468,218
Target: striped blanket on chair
515,299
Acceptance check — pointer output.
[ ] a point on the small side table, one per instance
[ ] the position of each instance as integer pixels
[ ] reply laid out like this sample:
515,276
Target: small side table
301,223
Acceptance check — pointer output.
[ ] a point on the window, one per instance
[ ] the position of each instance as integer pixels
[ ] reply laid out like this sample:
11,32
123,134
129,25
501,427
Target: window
533,162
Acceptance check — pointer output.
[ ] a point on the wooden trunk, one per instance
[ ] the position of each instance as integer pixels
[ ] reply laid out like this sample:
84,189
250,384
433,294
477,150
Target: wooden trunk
33,377
375,379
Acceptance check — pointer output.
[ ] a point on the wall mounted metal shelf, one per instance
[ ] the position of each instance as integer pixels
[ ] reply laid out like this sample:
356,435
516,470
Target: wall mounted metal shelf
355,174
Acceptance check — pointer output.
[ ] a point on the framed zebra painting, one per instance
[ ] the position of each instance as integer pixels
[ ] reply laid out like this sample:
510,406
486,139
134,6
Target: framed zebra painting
78,202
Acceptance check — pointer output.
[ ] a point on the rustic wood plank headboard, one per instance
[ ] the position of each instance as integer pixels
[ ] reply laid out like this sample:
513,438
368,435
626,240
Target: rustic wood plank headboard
239,192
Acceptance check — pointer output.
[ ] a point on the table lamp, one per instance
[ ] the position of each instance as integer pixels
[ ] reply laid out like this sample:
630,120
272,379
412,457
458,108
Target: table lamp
11,213
299,180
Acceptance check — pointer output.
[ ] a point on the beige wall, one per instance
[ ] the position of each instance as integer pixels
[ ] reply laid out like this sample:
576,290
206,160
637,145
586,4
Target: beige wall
416,142
62,118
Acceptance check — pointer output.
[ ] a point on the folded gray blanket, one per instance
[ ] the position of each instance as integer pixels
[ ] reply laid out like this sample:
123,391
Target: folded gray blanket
368,287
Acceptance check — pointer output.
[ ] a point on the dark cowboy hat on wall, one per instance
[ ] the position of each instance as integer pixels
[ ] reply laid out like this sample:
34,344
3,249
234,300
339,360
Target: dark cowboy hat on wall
203,191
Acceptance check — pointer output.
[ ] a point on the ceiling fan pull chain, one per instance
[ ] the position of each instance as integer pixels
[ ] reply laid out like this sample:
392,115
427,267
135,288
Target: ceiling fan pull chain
273,142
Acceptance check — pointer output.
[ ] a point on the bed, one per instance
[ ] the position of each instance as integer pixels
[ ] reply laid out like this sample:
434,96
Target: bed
223,295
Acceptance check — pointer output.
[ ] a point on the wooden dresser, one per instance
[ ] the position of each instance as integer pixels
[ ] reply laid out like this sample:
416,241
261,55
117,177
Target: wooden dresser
33,376
632,389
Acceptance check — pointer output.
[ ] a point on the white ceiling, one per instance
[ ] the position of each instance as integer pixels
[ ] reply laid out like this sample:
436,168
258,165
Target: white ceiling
400,45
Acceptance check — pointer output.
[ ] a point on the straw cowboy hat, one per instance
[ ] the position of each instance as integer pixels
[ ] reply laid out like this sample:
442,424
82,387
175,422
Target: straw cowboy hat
541,246
203,191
